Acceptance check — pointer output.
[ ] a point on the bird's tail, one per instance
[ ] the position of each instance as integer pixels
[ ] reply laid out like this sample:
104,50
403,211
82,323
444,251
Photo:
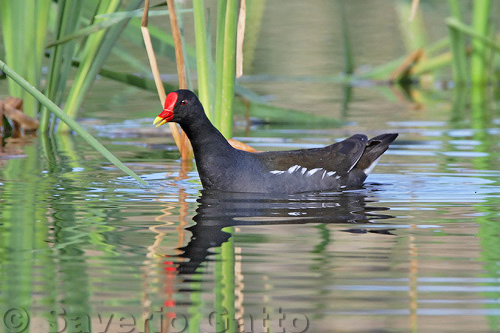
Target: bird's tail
375,147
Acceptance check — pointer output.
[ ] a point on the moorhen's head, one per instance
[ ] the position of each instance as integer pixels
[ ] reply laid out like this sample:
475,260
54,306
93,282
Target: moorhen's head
180,106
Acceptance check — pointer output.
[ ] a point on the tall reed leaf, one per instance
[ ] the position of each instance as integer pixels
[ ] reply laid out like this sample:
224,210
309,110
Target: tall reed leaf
228,65
202,56
219,60
67,120
24,26
61,56
457,39
348,55
95,52
480,21
487,41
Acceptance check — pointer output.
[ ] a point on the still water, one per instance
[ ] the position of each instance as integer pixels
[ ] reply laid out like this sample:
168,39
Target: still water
85,249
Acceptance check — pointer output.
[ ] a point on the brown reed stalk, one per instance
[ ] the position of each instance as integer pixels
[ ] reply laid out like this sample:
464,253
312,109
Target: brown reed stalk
414,7
156,73
240,36
186,151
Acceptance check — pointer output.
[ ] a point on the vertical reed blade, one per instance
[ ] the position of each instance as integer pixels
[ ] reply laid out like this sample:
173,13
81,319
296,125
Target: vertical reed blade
68,17
458,45
185,147
180,23
77,128
480,24
414,8
24,30
348,55
240,36
228,68
219,59
93,53
414,32
203,57
179,55
156,72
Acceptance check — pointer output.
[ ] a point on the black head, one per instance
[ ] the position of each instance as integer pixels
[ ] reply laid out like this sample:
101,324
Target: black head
180,106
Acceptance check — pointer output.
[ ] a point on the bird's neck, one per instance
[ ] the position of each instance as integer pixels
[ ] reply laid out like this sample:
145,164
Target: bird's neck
206,139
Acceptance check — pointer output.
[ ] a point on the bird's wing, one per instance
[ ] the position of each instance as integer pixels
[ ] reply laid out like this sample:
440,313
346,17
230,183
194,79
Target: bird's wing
340,157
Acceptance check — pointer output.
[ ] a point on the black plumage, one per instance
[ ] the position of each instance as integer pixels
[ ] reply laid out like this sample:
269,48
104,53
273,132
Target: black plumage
342,165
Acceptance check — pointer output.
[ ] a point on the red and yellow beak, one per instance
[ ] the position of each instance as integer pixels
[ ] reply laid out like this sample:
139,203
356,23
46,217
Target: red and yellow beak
163,118
168,112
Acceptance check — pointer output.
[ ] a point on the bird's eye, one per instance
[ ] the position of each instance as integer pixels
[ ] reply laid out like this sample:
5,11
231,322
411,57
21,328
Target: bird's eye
184,102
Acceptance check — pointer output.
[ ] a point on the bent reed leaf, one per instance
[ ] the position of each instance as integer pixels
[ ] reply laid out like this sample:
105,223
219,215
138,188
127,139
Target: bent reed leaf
77,128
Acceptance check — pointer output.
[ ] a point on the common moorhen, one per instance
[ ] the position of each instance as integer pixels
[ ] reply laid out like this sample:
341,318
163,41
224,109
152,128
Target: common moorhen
342,165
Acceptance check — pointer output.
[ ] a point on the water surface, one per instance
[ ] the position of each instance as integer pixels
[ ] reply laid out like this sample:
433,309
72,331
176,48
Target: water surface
84,248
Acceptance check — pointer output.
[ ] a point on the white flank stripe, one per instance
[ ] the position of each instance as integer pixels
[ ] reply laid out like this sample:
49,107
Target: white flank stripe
294,168
277,172
337,177
331,173
313,171
370,168
304,170
324,173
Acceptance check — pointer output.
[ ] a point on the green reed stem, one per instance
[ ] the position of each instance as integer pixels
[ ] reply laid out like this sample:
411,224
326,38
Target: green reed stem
180,21
52,107
24,26
61,56
414,32
219,59
202,56
228,68
91,57
458,46
384,70
432,64
480,23
348,55
471,32
94,52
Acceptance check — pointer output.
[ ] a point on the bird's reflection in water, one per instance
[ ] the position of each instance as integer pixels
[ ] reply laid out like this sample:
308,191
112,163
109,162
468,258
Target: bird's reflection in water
218,210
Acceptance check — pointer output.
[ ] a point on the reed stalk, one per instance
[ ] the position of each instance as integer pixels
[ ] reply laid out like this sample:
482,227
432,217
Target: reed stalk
480,22
61,56
156,72
24,26
413,10
228,68
180,22
254,13
491,43
202,57
385,70
77,128
414,31
89,56
240,37
186,151
95,50
219,60
348,55
432,64
458,46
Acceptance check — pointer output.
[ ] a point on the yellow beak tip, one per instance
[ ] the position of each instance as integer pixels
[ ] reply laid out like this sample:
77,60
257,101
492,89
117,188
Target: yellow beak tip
159,121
